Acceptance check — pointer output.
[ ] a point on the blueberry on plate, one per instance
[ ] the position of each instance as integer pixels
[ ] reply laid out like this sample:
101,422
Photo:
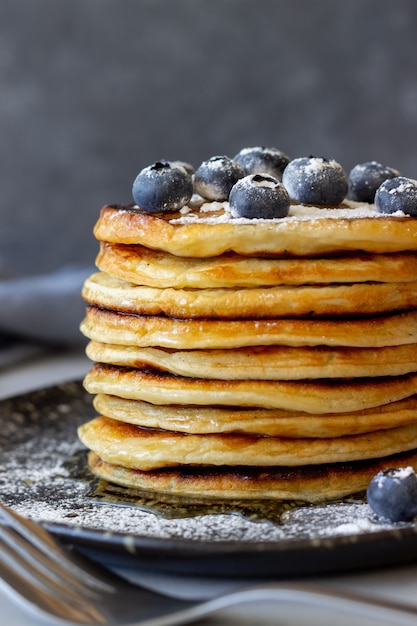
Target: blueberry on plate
261,160
397,194
214,178
162,187
392,494
314,180
259,196
365,178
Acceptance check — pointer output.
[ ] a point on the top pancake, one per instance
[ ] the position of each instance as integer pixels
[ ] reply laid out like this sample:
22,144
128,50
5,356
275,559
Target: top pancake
307,231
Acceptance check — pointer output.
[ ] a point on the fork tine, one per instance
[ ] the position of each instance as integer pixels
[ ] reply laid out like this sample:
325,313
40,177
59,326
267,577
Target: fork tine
38,538
47,572
25,585
43,580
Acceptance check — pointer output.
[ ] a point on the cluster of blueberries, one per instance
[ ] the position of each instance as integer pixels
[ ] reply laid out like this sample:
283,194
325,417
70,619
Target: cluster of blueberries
261,182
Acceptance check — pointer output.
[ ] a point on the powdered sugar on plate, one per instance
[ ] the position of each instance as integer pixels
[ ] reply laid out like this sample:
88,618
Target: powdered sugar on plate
43,475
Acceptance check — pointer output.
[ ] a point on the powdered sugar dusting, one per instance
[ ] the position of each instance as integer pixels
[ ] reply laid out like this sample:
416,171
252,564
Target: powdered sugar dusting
219,213
398,474
403,187
318,164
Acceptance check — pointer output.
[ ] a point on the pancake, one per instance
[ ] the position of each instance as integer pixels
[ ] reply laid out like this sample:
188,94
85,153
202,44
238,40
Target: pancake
311,483
142,266
307,232
272,422
108,292
133,447
263,362
154,330
323,396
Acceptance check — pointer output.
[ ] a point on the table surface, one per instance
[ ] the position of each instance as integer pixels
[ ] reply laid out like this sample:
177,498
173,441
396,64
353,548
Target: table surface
44,368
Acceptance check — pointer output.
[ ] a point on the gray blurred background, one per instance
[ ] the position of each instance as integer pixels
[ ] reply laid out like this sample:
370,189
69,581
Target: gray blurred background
91,91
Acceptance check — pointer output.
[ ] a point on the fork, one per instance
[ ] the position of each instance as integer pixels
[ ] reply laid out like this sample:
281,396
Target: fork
62,585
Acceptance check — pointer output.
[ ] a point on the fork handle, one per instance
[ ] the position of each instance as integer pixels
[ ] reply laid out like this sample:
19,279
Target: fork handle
309,595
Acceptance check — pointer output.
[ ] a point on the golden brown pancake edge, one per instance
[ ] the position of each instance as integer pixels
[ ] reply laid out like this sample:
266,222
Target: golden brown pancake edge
314,484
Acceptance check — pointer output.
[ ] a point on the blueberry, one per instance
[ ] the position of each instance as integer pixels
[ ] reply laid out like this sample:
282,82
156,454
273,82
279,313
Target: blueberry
259,196
312,180
392,494
260,160
365,178
162,187
187,166
397,194
215,178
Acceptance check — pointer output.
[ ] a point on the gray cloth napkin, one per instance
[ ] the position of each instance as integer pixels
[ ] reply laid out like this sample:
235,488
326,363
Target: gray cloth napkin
43,310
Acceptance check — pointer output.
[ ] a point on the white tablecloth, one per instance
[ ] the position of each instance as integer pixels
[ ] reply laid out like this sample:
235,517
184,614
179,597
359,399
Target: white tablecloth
399,583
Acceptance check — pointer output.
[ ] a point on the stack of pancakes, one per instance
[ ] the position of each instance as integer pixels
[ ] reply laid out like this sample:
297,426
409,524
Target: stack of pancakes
264,359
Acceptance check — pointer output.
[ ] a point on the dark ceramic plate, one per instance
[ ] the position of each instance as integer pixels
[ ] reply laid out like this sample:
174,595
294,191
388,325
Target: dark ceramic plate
43,475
